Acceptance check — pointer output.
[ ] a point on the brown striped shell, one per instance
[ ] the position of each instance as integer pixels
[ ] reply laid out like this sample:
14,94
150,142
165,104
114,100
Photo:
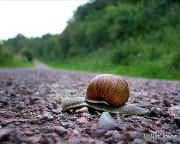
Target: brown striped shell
109,89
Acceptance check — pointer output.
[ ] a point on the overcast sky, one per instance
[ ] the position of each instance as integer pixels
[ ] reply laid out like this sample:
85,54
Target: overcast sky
35,17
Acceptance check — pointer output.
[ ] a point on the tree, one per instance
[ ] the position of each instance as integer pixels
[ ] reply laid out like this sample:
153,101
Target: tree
27,54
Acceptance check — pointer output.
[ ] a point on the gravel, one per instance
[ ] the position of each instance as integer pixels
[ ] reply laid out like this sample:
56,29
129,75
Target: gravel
30,110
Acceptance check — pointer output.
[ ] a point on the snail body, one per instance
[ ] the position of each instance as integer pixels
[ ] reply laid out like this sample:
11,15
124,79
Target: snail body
105,92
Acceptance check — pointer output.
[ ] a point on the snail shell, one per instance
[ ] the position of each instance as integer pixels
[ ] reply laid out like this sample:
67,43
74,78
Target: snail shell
108,89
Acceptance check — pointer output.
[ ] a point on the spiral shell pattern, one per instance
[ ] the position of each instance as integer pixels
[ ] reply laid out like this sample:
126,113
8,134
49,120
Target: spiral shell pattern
108,88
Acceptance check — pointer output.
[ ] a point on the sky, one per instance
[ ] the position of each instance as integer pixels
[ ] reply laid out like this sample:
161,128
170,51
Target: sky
35,17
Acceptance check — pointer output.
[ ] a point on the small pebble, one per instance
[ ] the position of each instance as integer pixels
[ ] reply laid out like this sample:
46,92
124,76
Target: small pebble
60,130
28,133
177,120
47,116
82,120
20,106
33,100
155,112
106,121
95,141
47,129
76,133
5,132
9,83
112,136
97,132
126,135
82,110
158,123
174,111
138,141
122,126
154,101
47,139
122,142
166,103
67,124
57,111
4,100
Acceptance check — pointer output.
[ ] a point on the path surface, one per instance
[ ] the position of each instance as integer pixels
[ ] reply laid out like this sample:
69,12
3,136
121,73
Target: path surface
30,110
40,65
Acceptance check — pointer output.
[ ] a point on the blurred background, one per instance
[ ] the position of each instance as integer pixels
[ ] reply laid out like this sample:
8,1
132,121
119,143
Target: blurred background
139,38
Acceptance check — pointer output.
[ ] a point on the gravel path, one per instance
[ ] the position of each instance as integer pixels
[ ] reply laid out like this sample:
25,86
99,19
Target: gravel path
40,65
30,110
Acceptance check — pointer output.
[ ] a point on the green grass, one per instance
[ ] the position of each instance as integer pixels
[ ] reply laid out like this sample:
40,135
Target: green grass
96,62
16,63
142,70
149,70
93,62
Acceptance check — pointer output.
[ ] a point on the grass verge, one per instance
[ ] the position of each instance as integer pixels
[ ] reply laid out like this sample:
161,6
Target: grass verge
144,69
16,63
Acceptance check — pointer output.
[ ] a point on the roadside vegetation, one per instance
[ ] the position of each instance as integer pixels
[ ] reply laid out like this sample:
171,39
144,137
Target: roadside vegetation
8,58
16,63
129,37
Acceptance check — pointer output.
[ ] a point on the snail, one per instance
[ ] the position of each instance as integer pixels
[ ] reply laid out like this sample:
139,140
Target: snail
105,92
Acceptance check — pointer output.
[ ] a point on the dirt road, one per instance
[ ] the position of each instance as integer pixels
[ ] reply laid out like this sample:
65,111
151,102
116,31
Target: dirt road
40,65
30,110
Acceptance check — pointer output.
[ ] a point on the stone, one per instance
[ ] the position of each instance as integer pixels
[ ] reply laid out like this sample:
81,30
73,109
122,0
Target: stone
82,110
56,111
4,100
174,111
166,103
97,132
20,106
95,141
60,130
5,132
67,124
47,129
47,139
138,141
122,126
177,121
112,136
155,112
76,133
82,120
47,115
106,121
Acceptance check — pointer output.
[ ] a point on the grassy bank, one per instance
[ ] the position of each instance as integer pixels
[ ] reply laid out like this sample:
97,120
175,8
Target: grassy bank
16,63
146,69
100,61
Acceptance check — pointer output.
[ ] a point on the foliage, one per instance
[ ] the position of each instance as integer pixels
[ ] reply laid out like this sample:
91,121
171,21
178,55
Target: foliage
16,63
5,54
27,54
175,61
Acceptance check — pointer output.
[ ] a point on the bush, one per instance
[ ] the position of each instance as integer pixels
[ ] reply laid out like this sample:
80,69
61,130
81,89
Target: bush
5,54
126,53
27,54
175,61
